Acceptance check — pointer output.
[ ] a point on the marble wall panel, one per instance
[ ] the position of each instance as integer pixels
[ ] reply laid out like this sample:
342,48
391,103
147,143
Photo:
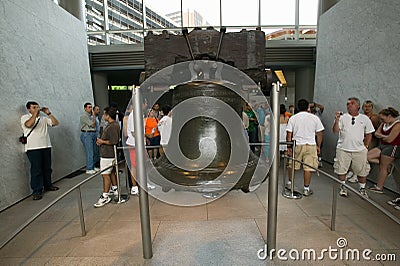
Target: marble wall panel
43,57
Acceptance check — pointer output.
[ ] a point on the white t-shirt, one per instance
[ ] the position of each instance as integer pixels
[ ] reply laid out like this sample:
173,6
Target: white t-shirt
267,124
303,126
245,119
39,138
165,126
351,136
130,128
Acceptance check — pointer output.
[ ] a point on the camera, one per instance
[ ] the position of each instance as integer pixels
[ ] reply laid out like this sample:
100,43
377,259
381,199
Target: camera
23,139
341,113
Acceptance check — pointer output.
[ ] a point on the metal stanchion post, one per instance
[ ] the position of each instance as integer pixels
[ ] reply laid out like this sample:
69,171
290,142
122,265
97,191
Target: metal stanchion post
334,204
273,179
291,193
81,216
142,176
127,175
284,174
121,198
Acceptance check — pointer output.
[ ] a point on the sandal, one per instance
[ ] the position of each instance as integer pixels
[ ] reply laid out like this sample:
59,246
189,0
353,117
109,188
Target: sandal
376,189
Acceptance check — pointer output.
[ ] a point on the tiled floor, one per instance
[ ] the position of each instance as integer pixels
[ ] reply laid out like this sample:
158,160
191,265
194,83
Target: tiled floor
228,231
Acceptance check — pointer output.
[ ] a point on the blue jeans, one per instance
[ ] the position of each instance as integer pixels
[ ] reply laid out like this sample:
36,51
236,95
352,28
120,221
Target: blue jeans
96,154
40,160
253,136
268,146
89,143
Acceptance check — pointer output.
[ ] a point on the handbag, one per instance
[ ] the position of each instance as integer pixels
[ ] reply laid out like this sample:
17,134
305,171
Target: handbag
24,139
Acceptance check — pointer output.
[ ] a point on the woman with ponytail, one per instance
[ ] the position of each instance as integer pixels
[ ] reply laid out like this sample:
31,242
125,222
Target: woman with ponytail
389,148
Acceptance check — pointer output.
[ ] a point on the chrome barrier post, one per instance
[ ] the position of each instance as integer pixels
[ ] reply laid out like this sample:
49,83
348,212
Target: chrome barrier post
127,175
273,179
284,173
81,215
121,198
142,176
335,187
291,193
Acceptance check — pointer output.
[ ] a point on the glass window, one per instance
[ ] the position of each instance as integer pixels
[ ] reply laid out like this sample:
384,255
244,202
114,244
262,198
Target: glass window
308,12
200,13
168,9
280,12
241,13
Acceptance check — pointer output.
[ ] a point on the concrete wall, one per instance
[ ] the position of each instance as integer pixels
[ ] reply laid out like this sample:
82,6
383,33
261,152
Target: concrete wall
305,84
43,57
357,55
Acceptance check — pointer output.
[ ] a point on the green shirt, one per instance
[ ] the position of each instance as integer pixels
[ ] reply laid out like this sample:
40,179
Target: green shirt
85,121
250,114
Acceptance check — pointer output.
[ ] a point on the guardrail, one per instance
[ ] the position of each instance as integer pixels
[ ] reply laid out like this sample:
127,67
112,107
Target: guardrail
77,187
335,187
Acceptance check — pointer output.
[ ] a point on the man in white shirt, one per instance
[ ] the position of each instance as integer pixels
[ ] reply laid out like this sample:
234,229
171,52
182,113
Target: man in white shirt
165,126
303,127
130,141
355,134
38,147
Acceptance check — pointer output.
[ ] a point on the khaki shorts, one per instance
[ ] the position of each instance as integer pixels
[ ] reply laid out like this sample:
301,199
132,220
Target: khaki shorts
105,163
306,154
357,161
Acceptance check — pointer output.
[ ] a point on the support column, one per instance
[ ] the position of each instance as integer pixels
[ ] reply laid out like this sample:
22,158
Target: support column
100,89
297,20
75,8
304,80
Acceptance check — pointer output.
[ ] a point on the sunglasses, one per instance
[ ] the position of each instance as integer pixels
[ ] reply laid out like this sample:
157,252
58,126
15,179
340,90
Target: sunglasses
353,120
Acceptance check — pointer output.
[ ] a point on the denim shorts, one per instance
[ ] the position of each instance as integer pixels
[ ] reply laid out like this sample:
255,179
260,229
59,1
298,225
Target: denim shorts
390,150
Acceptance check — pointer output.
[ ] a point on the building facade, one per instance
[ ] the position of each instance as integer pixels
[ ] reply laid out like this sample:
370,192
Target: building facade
191,18
123,19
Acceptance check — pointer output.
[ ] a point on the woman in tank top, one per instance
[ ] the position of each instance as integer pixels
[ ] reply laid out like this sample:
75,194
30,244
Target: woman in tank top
389,148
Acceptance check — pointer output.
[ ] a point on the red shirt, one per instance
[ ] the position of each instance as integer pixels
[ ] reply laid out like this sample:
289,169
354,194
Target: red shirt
150,123
396,141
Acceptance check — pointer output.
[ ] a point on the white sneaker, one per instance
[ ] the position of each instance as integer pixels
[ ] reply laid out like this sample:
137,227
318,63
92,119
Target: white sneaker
102,201
320,162
113,192
349,174
363,192
150,186
353,179
307,192
97,169
135,190
394,202
343,191
288,185
90,172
